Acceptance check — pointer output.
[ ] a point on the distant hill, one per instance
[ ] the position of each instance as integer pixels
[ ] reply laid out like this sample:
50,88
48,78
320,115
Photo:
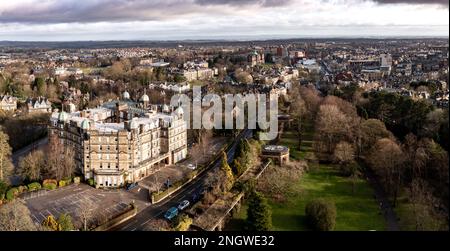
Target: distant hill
174,43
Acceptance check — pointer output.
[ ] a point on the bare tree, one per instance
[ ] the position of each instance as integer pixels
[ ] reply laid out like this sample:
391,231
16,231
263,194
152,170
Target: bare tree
32,165
387,159
370,132
424,207
15,216
61,159
277,181
86,213
332,126
312,100
297,110
344,154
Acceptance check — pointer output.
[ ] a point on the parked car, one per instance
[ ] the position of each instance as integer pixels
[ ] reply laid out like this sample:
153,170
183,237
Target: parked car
131,186
191,166
195,197
183,205
171,213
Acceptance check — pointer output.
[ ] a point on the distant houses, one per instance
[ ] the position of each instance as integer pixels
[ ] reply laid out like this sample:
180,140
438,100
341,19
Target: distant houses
38,105
8,103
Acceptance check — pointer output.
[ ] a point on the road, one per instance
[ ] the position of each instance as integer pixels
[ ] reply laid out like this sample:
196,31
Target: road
17,155
139,222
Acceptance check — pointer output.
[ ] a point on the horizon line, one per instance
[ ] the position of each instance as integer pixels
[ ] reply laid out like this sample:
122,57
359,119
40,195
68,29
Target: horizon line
374,37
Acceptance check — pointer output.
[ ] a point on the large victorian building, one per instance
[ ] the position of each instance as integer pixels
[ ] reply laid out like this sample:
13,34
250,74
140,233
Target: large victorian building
122,141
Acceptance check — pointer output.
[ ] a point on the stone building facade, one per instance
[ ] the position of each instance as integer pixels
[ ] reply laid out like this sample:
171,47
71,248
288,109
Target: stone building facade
122,142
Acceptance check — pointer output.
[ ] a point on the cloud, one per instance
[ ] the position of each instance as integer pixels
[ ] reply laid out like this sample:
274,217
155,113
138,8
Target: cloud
264,3
69,11
440,2
151,19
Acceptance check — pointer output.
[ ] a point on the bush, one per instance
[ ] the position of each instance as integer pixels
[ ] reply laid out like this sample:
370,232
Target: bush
65,222
2,196
12,193
62,183
67,181
3,187
34,186
50,181
183,223
50,186
91,182
76,180
321,214
22,189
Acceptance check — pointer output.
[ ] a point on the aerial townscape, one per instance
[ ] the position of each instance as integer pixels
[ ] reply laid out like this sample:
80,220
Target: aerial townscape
100,135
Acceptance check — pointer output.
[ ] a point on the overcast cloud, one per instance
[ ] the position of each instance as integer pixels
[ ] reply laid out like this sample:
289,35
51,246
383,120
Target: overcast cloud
178,19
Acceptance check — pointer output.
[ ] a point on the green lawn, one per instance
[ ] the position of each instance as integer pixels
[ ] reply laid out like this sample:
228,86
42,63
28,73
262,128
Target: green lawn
290,140
355,211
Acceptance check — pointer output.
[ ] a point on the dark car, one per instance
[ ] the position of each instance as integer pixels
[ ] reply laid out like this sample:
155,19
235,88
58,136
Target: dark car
131,186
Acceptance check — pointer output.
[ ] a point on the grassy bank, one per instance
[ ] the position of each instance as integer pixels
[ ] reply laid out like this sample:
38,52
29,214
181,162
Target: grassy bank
356,210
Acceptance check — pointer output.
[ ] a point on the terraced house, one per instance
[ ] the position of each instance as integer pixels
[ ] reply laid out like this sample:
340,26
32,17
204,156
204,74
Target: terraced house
8,103
122,141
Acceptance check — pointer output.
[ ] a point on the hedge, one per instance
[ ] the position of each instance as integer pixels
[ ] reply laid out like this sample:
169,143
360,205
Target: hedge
34,186
12,193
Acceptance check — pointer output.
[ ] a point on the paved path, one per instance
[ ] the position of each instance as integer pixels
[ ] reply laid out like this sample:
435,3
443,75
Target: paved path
385,206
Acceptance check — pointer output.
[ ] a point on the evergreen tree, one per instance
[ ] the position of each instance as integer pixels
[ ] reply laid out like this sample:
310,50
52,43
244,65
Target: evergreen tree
5,156
228,172
65,222
259,214
237,168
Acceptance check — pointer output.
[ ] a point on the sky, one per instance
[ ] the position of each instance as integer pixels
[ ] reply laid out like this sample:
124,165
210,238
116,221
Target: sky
80,20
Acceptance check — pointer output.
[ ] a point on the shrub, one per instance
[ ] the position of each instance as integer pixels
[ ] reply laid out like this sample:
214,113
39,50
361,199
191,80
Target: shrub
34,186
50,223
76,180
183,223
50,186
2,196
62,183
12,193
50,181
65,222
91,182
22,189
67,181
3,187
321,214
